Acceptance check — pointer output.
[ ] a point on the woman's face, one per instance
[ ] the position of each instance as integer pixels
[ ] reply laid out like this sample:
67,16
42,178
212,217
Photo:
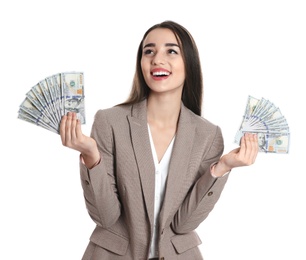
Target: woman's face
162,62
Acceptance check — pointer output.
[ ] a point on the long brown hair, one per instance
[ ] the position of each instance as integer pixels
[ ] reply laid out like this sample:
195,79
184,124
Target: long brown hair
193,85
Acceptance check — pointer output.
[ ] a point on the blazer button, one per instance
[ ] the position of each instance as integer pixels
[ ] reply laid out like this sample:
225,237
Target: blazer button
86,182
162,258
210,193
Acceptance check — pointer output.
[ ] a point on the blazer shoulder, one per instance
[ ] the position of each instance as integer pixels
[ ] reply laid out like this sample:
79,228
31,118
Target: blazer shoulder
113,113
203,123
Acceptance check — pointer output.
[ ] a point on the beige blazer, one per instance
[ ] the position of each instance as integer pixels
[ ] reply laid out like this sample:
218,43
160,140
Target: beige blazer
119,192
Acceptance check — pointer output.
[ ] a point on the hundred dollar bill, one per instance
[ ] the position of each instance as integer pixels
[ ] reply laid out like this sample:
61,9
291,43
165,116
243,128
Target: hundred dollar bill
72,86
55,92
249,109
56,79
273,143
250,106
269,142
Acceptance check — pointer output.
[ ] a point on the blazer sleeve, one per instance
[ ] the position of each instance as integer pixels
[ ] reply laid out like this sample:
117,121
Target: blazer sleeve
202,197
99,184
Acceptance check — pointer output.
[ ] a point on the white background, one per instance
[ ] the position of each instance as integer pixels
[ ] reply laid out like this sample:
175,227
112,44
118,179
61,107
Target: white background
247,48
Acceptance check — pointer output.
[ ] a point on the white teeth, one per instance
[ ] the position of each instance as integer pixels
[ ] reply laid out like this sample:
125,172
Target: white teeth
161,73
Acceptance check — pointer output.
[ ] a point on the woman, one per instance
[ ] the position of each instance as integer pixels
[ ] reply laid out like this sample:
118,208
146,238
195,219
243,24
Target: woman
152,169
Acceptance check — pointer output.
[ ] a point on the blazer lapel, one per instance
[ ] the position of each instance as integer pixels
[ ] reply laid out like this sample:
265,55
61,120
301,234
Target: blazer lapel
143,153
178,168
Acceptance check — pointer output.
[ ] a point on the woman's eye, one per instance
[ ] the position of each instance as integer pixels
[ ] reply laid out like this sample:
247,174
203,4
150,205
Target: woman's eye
147,52
171,51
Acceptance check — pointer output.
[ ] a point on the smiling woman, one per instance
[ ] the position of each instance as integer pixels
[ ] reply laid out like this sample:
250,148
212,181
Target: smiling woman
152,168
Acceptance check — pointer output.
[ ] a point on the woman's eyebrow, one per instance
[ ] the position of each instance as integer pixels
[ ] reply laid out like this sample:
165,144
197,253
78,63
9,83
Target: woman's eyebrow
167,45
149,45
172,45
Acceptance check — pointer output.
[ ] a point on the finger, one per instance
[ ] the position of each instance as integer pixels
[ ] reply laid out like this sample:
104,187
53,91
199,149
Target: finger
252,148
68,129
243,145
78,131
255,148
249,147
63,129
73,127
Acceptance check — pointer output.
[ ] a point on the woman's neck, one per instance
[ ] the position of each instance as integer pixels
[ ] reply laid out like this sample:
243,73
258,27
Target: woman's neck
163,110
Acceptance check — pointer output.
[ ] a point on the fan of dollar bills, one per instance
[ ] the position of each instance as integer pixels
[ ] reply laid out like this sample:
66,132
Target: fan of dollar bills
266,120
51,98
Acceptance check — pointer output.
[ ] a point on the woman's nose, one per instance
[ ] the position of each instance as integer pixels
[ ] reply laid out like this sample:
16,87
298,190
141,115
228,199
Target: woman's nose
159,58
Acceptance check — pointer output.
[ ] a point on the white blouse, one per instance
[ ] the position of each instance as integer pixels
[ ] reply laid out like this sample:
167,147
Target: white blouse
161,173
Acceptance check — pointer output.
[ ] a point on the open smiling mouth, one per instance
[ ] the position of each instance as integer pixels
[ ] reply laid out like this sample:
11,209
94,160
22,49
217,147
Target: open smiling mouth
160,74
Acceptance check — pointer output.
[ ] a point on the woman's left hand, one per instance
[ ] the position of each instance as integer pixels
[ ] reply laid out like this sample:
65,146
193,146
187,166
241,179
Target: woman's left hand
242,156
245,154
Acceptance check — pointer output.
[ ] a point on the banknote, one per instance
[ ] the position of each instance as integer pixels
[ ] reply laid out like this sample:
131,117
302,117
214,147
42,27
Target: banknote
73,94
51,98
262,117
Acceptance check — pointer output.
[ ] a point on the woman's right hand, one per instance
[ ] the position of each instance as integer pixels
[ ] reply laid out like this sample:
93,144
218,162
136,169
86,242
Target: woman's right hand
72,137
